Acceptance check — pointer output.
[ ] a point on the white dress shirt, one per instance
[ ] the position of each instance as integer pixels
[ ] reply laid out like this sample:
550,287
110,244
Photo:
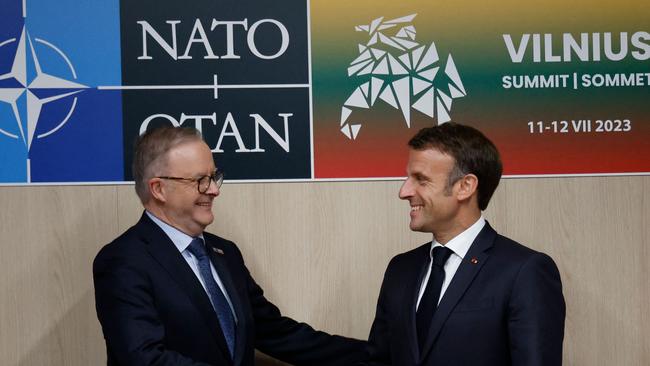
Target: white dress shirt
459,246
182,242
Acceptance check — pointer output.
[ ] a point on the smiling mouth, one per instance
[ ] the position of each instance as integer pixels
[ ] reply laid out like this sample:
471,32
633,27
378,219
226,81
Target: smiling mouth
416,208
204,204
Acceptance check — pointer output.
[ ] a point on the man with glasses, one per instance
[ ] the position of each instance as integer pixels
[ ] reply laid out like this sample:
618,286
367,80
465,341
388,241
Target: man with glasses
168,293
470,296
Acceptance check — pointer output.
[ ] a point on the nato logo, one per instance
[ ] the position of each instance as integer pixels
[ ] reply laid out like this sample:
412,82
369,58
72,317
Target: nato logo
60,103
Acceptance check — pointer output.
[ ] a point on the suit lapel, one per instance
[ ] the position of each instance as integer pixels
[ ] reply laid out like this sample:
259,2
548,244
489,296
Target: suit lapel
460,283
413,287
167,255
219,262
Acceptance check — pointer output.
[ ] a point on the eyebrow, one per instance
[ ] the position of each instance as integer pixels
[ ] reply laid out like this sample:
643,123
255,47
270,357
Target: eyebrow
420,176
199,175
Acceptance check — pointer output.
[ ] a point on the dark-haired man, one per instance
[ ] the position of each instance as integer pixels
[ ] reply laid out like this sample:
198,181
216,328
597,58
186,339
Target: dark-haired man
471,296
168,293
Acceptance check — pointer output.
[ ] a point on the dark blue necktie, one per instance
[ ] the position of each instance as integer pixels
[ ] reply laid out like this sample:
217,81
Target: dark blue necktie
429,300
219,302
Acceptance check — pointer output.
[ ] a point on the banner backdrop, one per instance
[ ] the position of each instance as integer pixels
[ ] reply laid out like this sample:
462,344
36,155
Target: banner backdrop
560,87
298,90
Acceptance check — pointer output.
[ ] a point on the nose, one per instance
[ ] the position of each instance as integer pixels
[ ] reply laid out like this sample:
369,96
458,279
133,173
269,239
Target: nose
406,190
213,189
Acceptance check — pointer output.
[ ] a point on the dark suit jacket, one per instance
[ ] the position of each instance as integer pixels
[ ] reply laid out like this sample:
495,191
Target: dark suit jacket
154,311
505,309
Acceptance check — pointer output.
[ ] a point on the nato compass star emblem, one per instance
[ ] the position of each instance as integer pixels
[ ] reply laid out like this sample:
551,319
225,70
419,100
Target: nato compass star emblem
402,73
27,88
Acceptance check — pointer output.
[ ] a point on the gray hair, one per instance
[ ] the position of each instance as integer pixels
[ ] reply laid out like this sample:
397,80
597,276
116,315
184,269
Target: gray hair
150,154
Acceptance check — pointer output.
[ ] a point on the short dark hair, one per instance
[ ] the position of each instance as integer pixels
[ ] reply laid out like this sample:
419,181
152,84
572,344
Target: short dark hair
150,154
473,153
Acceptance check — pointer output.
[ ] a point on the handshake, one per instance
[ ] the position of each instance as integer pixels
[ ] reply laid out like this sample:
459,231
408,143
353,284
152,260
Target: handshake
169,293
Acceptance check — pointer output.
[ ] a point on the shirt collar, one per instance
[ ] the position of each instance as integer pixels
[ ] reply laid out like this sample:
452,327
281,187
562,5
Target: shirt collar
179,238
460,243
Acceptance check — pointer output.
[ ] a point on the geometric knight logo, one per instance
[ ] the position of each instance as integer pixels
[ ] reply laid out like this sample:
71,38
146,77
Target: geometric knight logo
394,68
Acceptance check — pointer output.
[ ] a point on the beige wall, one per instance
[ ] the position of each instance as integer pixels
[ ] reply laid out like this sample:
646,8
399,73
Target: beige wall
320,249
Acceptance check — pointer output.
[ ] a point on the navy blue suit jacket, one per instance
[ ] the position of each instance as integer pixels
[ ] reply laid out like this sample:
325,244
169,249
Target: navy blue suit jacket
154,311
504,306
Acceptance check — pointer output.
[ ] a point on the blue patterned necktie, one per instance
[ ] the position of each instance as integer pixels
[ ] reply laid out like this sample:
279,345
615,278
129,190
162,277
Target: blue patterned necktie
218,299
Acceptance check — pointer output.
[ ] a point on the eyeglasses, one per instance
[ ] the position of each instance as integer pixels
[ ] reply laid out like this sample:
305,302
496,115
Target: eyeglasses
203,182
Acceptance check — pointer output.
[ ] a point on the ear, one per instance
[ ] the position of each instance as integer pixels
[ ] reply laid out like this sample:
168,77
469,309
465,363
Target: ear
467,187
157,189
